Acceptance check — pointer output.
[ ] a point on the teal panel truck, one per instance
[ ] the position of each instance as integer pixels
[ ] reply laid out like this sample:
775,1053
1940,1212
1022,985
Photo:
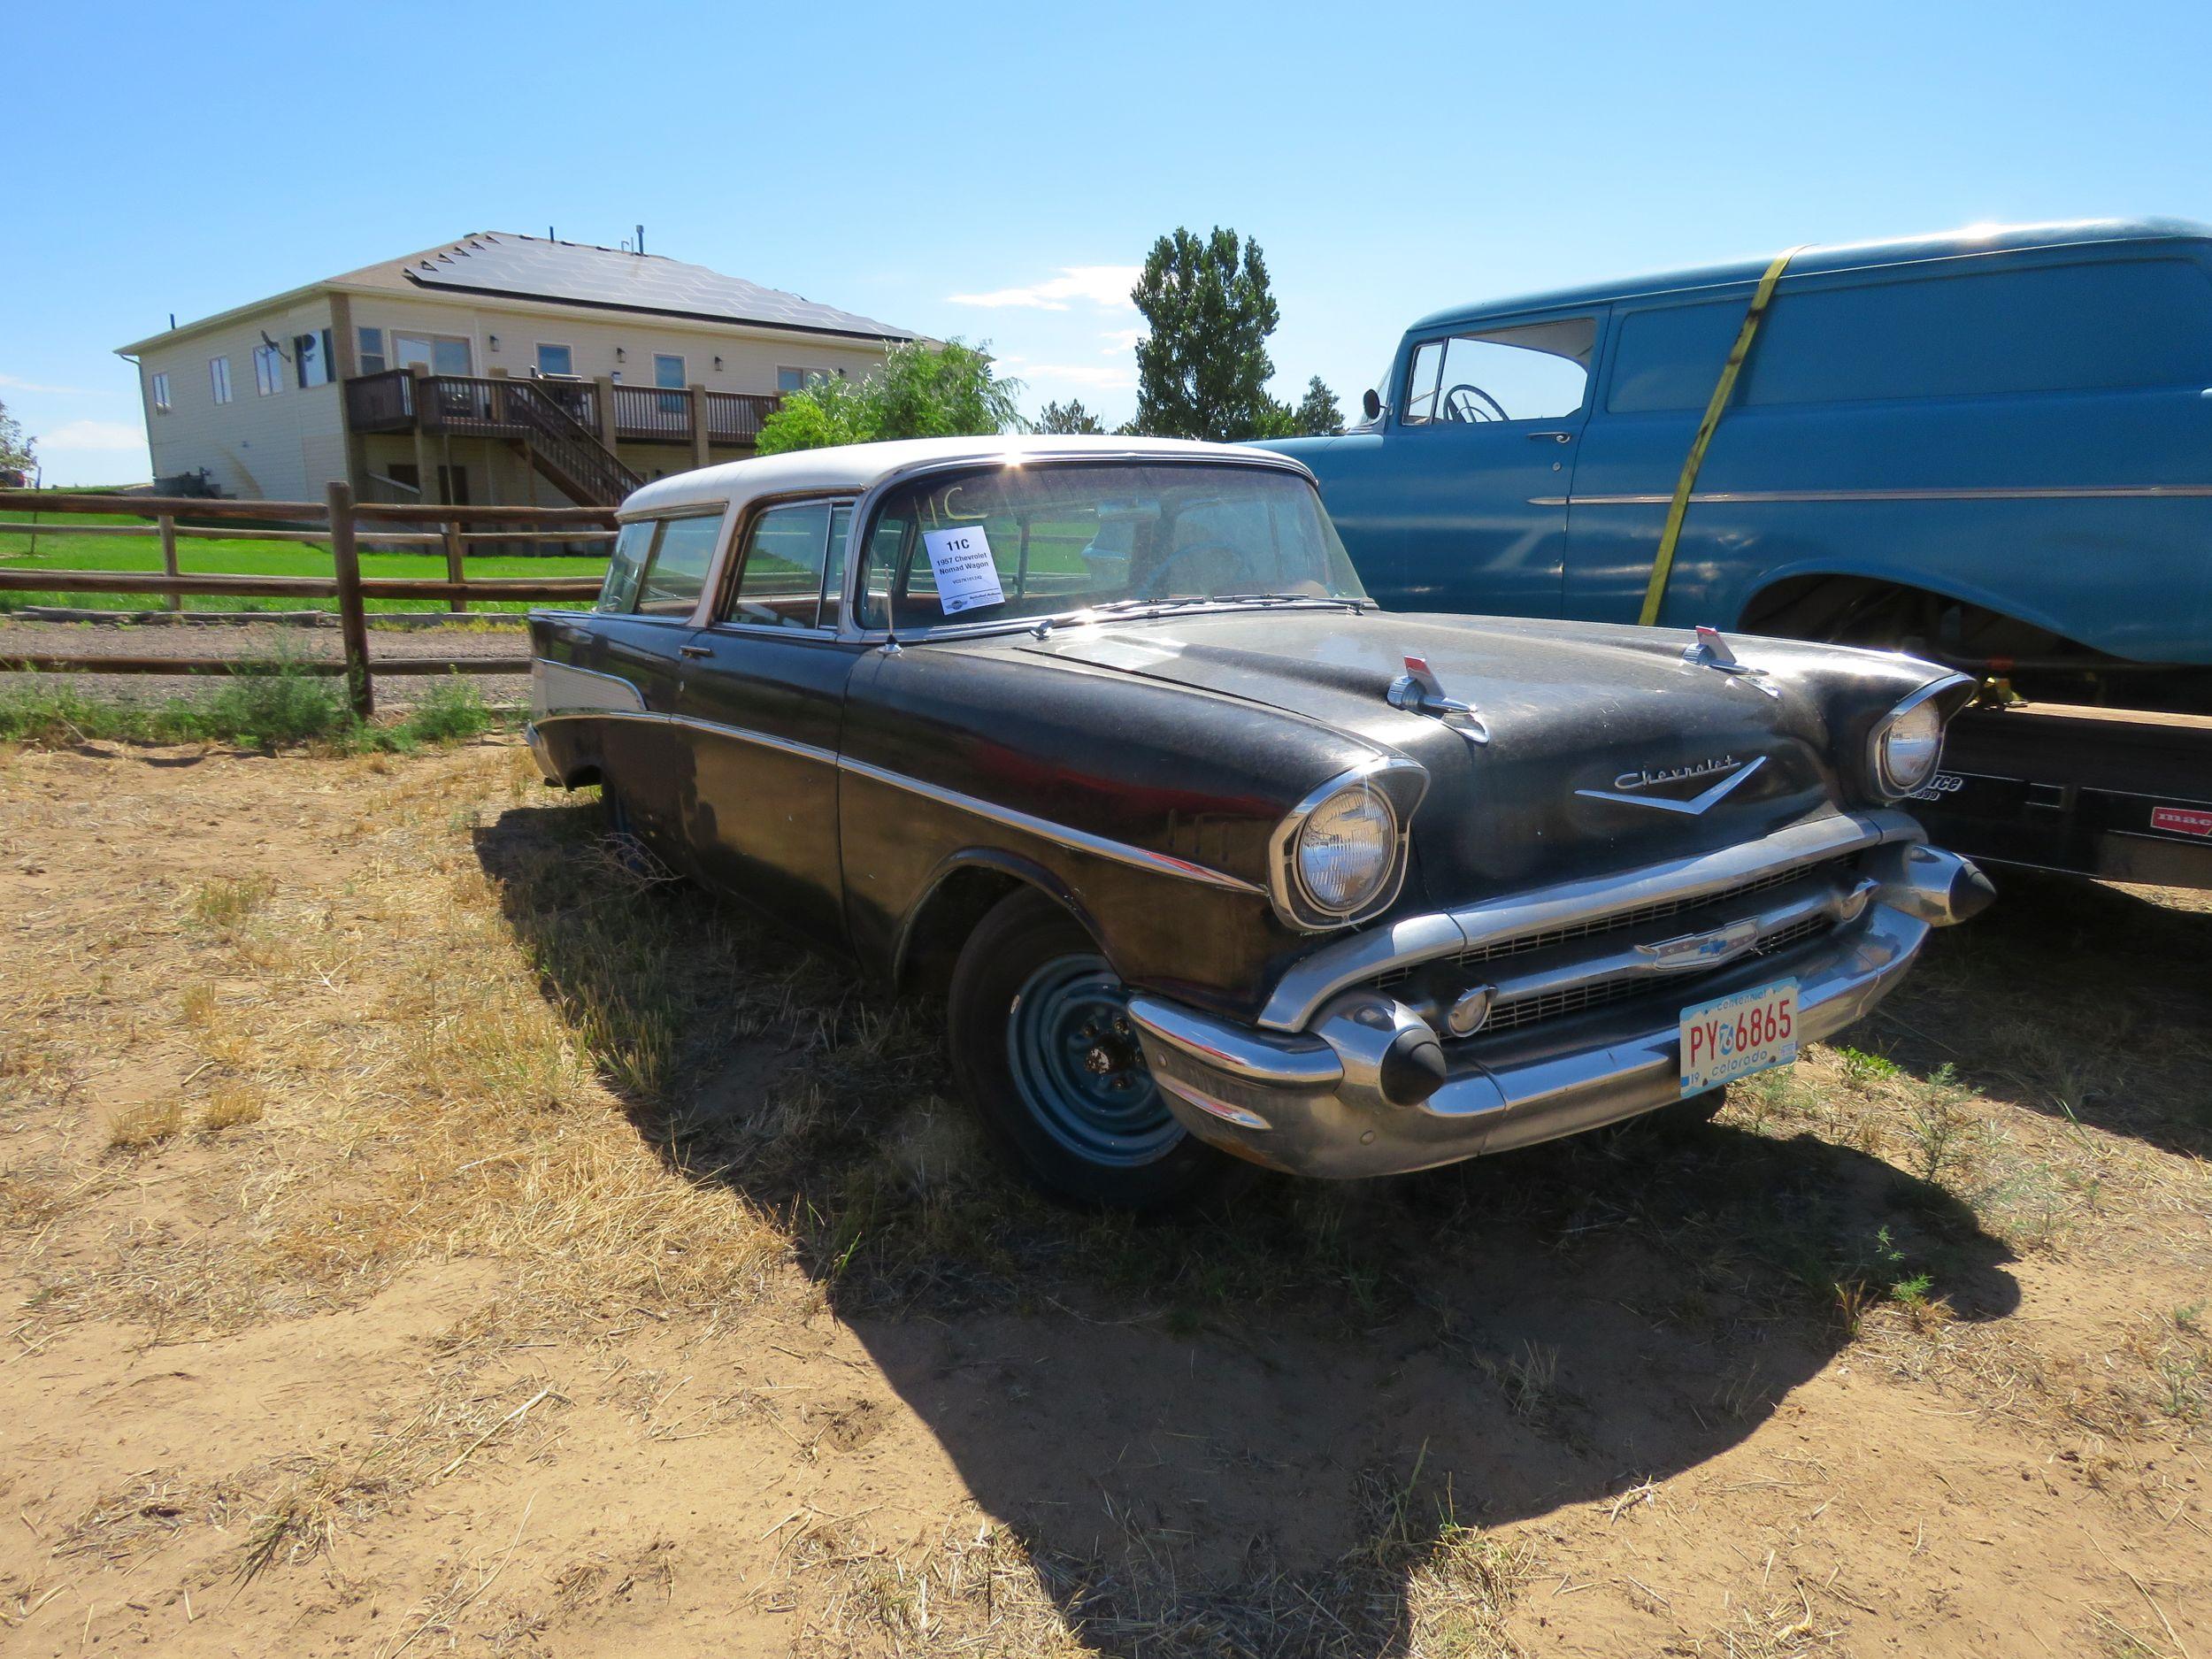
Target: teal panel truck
1992,449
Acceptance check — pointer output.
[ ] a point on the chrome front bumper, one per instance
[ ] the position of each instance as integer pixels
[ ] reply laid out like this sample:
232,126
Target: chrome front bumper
1320,1102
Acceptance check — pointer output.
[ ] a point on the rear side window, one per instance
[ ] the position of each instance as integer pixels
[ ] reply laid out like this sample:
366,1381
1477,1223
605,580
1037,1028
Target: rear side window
2104,326
678,573
617,596
779,583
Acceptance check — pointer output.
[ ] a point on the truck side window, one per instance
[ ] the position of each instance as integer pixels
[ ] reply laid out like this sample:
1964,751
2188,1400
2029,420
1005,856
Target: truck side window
1535,372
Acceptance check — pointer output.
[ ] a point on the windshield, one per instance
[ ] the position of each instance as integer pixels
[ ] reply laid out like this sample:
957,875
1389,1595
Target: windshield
1014,541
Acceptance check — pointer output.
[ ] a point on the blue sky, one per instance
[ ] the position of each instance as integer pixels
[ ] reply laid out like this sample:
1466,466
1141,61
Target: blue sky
996,172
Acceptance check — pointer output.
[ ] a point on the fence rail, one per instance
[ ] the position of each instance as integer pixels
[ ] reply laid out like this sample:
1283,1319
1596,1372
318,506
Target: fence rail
344,524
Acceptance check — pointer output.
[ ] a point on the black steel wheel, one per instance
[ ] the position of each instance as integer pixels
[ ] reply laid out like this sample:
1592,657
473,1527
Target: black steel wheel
1044,1051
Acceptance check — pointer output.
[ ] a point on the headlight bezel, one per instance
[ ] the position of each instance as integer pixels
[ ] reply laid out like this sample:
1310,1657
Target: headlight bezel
1398,785
1930,697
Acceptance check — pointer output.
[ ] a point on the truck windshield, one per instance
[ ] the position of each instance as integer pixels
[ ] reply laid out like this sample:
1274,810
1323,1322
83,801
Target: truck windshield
1045,539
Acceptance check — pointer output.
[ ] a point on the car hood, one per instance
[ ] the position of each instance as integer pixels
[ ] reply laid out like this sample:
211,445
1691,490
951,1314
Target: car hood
1606,749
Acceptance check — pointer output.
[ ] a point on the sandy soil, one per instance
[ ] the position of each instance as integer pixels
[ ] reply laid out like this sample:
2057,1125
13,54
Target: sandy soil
420,1236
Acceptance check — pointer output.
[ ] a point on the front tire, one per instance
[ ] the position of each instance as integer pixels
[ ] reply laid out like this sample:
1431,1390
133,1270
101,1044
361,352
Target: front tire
1042,1048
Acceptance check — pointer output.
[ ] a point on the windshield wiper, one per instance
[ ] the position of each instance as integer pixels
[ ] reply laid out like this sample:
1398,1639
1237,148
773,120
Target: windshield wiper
1105,607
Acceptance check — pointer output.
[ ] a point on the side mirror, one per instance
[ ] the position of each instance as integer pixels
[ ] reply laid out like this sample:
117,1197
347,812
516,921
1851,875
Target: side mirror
1370,403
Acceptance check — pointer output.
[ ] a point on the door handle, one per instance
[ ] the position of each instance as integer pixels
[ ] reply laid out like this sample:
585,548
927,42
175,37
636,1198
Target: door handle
1551,437
694,650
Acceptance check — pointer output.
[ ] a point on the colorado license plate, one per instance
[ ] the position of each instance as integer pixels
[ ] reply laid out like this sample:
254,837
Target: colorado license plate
1733,1036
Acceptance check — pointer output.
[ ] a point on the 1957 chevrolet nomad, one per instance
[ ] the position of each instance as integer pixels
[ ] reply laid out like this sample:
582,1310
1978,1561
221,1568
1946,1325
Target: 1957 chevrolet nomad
1102,739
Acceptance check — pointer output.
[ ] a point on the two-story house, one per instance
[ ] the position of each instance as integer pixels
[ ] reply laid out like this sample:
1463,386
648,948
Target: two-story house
498,369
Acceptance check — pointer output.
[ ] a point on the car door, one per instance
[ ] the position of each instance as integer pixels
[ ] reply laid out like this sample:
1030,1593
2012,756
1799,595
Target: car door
630,656
1469,486
761,705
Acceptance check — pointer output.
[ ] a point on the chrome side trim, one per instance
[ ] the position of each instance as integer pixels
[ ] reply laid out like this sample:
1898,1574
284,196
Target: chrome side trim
782,745
563,688
1992,492
1061,835
1412,940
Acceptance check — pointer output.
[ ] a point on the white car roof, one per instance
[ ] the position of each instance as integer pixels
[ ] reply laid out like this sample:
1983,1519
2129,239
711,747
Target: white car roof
858,467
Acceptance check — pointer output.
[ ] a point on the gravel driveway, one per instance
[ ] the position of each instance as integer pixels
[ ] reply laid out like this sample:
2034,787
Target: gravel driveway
263,641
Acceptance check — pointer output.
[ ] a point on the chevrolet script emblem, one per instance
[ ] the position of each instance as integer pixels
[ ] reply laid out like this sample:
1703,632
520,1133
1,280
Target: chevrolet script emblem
1703,950
1629,787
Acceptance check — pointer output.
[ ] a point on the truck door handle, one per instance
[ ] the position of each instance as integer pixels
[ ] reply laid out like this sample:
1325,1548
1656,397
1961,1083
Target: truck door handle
1551,437
694,650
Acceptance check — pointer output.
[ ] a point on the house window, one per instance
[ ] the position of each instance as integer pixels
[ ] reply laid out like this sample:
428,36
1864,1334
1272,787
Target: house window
218,378
440,353
556,360
268,370
161,393
311,353
795,379
669,372
371,349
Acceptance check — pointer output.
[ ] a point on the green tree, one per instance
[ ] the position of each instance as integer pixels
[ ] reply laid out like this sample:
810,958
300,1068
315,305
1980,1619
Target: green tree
920,391
1317,415
1203,372
16,451
1068,417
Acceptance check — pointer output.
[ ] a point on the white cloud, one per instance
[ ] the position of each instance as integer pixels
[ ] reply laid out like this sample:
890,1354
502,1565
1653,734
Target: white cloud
15,383
1102,285
1119,340
105,435
1075,374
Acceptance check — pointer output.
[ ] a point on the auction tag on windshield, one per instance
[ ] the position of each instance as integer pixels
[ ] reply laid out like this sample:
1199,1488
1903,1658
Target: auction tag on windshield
960,559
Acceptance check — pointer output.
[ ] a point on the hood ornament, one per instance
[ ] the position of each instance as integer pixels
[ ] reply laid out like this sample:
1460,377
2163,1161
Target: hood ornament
1628,787
1710,650
1418,691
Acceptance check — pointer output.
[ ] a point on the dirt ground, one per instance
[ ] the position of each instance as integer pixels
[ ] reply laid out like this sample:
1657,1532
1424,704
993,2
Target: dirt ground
262,641
422,1235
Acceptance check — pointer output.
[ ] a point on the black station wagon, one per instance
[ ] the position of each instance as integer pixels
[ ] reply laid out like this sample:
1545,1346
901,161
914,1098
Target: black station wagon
1209,856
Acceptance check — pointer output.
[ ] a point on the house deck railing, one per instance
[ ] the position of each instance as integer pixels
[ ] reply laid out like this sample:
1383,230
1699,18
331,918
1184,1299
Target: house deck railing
398,400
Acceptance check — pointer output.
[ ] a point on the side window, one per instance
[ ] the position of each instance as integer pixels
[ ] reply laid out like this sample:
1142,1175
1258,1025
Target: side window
1428,357
780,582
833,572
631,548
1671,357
678,574
1536,372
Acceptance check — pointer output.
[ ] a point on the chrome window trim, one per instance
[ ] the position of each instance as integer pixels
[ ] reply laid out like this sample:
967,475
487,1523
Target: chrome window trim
1877,773
1413,939
872,500
1286,888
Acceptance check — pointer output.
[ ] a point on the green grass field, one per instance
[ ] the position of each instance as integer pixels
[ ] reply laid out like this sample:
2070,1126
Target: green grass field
245,558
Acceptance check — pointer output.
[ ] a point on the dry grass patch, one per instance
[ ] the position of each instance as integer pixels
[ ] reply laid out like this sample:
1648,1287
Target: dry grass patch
146,1123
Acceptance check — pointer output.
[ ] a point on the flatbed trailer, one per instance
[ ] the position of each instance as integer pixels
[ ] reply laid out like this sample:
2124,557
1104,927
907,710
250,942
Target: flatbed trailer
2121,793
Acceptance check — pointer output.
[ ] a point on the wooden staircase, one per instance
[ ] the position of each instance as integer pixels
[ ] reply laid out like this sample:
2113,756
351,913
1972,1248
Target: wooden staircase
567,453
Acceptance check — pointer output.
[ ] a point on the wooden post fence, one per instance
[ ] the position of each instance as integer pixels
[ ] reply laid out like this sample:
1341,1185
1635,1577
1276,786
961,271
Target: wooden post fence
344,524
353,620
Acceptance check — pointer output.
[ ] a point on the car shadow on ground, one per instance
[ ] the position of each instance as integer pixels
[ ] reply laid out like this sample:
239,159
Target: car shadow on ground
1251,1431
2077,999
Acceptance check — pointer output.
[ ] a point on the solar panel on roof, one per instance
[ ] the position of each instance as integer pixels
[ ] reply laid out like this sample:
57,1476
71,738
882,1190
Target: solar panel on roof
526,267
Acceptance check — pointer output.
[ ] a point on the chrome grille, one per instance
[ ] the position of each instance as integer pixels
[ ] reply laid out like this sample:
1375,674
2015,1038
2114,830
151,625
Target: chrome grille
1659,910
1532,1010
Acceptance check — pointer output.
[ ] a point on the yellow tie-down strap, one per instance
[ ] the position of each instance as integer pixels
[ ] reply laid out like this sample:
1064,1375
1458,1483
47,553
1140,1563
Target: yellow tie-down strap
1663,565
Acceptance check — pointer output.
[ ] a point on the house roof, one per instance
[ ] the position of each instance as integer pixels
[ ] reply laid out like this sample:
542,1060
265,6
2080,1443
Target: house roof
501,265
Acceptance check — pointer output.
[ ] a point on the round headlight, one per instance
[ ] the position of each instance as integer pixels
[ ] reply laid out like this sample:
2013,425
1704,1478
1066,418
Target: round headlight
1907,748
1346,848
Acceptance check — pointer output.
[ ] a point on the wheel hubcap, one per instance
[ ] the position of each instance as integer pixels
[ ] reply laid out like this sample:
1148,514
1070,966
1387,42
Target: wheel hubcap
1078,1066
